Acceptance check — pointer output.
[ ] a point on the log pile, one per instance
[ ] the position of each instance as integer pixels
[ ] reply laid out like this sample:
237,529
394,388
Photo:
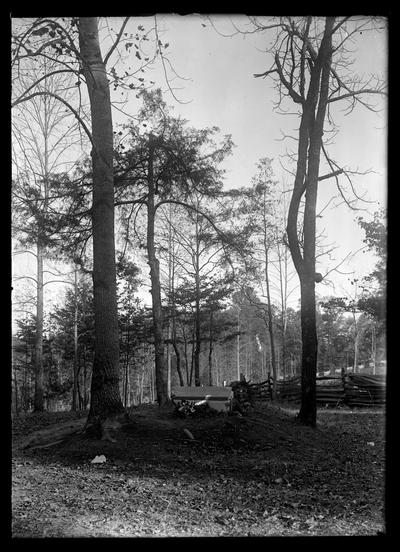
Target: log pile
263,390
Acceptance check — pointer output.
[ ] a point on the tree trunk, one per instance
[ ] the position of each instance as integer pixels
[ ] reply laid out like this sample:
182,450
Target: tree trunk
169,362
373,347
75,366
84,391
306,180
308,410
141,386
188,382
197,343
178,362
210,351
238,347
105,394
160,361
126,384
283,287
270,321
171,285
192,356
38,402
126,366
16,394
330,354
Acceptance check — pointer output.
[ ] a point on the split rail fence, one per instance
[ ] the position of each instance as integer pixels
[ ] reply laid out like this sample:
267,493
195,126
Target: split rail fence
349,389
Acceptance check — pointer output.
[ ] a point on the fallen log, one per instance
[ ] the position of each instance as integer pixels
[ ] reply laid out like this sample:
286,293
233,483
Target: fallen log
52,435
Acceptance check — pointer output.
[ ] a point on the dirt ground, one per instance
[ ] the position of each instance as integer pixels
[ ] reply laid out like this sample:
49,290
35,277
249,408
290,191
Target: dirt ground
258,475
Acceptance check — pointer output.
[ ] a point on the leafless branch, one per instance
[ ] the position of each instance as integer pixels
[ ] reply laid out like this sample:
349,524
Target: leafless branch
67,104
118,38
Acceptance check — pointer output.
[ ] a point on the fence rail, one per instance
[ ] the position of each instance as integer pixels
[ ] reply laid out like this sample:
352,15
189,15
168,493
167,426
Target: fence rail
350,389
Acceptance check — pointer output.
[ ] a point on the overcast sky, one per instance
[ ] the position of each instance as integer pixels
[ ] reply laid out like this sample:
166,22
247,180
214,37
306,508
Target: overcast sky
221,90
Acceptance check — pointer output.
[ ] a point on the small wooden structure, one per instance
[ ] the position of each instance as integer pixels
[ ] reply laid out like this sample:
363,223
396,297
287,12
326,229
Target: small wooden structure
218,398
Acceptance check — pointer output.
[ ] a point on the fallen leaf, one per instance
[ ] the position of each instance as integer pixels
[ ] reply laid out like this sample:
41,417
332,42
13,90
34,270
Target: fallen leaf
188,433
99,459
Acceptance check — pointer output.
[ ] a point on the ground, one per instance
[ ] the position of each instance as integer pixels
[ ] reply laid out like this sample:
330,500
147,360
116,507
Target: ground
258,475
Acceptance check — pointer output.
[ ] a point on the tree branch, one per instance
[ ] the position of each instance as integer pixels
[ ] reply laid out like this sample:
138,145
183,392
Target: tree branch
330,175
292,93
357,93
26,277
111,50
47,75
24,251
69,106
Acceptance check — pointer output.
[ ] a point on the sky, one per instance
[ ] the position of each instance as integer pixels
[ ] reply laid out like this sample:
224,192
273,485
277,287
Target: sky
223,92
220,90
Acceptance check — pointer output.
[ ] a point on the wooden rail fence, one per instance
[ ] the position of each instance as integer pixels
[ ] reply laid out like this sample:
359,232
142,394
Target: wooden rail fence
349,389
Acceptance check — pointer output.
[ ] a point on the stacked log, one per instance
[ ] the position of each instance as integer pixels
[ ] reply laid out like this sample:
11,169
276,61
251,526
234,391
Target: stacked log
289,390
261,391
352,389
365,389
330,390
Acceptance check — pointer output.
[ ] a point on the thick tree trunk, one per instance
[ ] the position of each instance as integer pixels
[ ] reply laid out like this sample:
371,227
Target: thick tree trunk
160,360
38,402
308,410
105,395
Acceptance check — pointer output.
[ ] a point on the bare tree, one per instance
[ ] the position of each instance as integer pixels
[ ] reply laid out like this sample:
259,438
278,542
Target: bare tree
308,69
43,136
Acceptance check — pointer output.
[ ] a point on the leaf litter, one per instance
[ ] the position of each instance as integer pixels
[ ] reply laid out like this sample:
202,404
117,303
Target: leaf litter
256,475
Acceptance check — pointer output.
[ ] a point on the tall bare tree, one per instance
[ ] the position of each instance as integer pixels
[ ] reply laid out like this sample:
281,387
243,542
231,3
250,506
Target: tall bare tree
308,59
43,136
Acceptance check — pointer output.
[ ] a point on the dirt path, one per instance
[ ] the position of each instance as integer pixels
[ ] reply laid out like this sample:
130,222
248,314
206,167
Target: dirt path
261,475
